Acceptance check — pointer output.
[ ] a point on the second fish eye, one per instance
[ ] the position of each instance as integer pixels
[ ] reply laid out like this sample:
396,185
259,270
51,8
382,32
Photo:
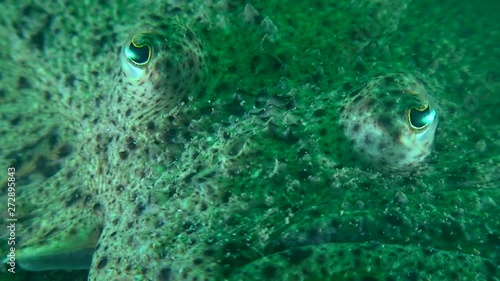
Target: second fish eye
421,118
139,54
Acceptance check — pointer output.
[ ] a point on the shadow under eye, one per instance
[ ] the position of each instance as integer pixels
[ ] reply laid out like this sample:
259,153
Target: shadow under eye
139,55
421,118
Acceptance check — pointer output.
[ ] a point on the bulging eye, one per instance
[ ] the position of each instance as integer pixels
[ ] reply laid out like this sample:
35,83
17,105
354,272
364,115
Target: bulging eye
139,54
421,118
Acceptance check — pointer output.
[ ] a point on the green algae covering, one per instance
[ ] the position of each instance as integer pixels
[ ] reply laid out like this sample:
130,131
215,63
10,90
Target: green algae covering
261,140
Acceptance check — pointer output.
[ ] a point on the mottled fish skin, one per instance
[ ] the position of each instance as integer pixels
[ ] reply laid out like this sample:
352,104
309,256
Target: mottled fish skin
196,154
390,123
173,75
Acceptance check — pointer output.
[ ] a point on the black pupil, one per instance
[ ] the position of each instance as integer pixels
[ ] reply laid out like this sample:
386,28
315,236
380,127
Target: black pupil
140,54
418,118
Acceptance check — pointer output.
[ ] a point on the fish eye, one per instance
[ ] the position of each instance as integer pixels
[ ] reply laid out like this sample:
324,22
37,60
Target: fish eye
139,54
421,118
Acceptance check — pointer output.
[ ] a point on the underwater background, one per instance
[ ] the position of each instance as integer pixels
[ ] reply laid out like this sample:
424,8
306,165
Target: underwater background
252,168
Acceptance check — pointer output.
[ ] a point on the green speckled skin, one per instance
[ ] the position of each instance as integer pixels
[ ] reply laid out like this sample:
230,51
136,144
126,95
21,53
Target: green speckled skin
260,141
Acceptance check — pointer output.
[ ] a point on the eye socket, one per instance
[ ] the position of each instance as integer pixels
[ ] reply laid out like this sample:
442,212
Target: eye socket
421,118
138,54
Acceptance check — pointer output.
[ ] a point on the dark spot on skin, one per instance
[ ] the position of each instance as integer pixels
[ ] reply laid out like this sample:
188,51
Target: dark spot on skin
139,208
70,81
356,128
157,86
98,100
226,196
15,121
197,261
197,79
191,63
150,125
395,136
381,146
120,188
385,121
23,83
189,227
97,207
128,112
177,48
368,140
73,231
45,167
203,207
47,95
190,35
38,39
369,103
131,143
123,155
64,151
368,278
102,263
170,134
342,109
168,66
